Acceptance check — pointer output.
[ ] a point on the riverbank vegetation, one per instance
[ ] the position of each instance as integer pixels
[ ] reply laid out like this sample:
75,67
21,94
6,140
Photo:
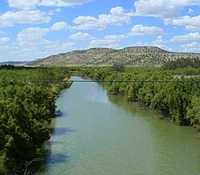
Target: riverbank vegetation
176,93
28,95
27,106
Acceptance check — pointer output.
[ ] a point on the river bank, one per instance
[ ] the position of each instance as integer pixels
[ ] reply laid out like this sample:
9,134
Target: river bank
157,89
106,135
27,106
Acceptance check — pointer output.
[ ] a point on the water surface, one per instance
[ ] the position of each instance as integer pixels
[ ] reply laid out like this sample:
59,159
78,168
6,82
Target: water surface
101,135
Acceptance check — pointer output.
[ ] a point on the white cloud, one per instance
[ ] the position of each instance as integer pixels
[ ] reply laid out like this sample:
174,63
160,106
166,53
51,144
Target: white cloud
4,40
190,22
191,46
31,36
81,36
32,43
160,42
117,16
11,52
187,38
29,4
62,3
162,8
109,41
87,22
190,11
22,4
58,26
146,30
10,18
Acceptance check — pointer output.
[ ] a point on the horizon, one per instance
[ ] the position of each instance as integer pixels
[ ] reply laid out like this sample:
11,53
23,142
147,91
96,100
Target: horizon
31,30
76,50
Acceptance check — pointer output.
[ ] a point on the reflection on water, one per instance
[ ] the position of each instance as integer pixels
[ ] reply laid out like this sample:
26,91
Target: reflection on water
62,131
57,158
98,135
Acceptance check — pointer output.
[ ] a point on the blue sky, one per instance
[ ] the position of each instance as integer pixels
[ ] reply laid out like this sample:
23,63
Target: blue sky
31,29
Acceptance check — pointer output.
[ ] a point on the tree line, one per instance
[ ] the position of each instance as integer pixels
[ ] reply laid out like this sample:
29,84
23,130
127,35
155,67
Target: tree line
27,106
173,92
183,63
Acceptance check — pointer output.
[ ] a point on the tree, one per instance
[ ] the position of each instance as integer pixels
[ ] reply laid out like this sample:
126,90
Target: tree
193,111
118,67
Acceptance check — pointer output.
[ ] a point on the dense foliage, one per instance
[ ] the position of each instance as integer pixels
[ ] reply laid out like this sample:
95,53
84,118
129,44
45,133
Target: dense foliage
170,91
183,63
27,105
27,102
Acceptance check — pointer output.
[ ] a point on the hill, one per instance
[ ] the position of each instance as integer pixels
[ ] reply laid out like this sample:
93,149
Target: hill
132,56
14,63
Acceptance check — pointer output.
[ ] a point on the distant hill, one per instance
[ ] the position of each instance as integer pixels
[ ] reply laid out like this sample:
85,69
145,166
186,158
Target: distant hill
131,56
14,63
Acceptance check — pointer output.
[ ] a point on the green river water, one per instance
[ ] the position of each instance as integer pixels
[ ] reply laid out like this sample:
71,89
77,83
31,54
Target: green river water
101,135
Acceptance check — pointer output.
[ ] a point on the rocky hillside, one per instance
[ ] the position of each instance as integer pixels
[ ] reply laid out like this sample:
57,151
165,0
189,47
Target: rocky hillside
132,56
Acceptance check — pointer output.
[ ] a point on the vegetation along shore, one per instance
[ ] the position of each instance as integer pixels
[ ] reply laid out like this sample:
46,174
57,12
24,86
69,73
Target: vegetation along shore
27,106
174,92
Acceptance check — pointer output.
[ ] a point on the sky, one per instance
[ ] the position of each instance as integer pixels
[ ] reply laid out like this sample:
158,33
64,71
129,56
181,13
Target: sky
32,29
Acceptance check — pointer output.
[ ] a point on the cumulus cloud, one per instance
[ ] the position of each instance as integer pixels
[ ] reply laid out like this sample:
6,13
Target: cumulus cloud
162,8
187,38
112,41
39,50
58,26
32,43
11,18
146,30
81,36
22,4
189,22
160,42
190,11
116,16
4,40
191,46
32,36
29,4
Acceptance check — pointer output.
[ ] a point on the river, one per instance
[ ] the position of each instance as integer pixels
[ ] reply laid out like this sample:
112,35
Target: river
101,135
